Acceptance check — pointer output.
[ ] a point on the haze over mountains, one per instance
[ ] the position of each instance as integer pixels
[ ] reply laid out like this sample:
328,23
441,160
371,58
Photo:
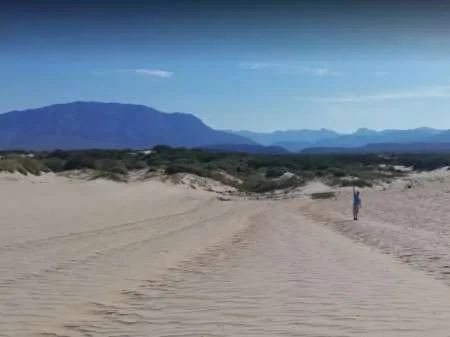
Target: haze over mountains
80,125
288,138
297,140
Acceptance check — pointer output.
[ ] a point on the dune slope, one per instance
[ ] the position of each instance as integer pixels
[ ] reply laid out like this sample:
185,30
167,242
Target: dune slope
108,259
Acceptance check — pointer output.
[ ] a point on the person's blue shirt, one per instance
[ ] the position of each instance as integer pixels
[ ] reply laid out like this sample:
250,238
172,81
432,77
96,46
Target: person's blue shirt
356,199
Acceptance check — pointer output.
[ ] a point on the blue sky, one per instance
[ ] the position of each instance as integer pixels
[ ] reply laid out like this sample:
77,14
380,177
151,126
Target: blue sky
261,73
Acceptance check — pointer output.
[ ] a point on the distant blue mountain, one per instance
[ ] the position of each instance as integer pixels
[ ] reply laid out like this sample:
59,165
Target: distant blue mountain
442,137
364,137
294,146
243,148
293,138
421,147
298,140
80,125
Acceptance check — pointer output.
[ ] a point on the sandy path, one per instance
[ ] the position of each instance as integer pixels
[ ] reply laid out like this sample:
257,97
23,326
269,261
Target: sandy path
284,276
64,244
182,263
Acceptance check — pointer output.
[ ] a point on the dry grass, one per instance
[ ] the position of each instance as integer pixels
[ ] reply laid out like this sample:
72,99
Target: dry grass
22,164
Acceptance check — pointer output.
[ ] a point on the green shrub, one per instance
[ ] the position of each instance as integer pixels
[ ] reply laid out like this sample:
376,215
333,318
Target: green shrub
32,166
275,172
323,195
109,165
182,168
22,170
54,164
110,176
8,165
258,184
337,173
73,163
137,165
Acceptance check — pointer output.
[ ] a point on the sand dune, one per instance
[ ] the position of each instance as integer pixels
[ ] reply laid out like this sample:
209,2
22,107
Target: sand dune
408,220
100,258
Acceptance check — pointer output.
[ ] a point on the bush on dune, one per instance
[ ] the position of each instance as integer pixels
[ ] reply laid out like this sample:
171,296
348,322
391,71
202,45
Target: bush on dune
22,164
260,184
258,172
323,195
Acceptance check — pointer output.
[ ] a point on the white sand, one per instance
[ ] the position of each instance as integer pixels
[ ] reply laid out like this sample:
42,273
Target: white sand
151,259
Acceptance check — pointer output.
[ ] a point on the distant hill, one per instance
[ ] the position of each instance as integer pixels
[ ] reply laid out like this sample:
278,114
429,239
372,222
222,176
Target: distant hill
442,137
298,140
288,136
364,137
421,147
80,125
247,148
294,146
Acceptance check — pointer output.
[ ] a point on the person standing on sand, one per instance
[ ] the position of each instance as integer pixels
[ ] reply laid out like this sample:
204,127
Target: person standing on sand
356,203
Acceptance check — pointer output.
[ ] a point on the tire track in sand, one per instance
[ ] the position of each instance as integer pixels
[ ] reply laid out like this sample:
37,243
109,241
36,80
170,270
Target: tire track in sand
283,276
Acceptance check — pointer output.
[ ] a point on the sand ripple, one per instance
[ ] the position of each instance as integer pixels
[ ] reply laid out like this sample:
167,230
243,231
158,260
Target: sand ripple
283,276
148,261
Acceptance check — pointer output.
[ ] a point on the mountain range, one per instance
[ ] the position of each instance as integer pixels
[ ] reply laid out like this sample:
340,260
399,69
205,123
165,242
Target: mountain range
383,148
287,136
80,125
298,140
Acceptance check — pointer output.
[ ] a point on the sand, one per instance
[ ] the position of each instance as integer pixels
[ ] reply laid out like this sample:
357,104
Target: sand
99,258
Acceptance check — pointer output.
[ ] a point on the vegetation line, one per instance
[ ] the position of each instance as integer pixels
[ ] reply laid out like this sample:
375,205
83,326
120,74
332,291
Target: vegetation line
247,172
